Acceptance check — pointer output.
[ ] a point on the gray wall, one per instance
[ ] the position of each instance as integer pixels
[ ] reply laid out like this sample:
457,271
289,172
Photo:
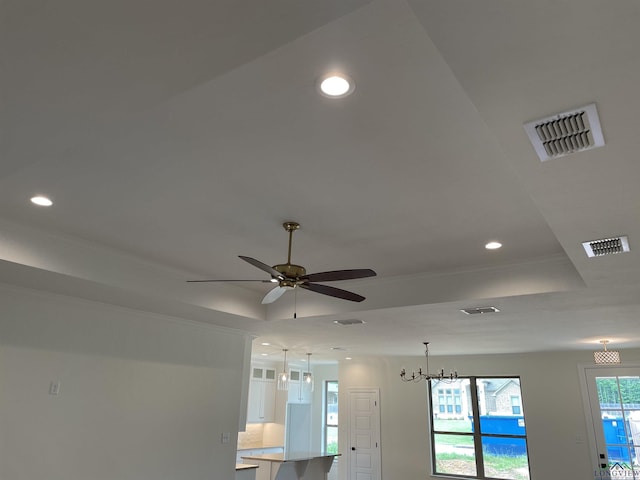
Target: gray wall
141,397
552,400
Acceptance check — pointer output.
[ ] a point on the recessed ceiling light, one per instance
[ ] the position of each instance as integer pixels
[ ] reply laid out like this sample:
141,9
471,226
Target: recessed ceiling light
347,358
264,354
336,85
493,245
41,201
265,344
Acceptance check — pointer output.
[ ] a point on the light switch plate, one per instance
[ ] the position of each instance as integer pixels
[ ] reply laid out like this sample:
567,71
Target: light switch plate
54,388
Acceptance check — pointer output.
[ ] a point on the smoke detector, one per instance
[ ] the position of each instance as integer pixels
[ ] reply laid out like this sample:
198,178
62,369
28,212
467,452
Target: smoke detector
566,133
606,246
477,310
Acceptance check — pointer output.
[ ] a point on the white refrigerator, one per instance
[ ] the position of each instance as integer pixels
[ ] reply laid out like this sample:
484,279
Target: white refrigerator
297,436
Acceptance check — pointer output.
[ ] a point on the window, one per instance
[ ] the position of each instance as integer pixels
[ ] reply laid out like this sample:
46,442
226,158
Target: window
449,401
331,416
481,433
515,405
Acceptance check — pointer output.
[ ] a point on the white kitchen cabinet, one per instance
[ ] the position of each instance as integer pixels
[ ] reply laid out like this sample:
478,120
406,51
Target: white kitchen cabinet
264,470
262,395
299,391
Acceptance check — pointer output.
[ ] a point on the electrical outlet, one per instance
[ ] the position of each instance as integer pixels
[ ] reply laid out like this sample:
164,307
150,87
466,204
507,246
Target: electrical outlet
225,437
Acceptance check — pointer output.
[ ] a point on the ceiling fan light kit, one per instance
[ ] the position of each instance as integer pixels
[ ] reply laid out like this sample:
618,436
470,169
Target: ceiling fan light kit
290,276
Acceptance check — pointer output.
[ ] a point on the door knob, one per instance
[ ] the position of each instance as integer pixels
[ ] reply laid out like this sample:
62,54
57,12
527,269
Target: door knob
353,448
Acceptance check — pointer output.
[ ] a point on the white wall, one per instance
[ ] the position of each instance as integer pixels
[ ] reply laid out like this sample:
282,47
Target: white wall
141,397
146,397
551,398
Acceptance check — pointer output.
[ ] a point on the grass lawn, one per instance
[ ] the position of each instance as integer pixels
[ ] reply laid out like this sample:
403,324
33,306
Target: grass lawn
446,425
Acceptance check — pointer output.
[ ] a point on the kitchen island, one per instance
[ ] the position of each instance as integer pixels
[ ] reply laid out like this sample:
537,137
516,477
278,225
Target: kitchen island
245,471
292,466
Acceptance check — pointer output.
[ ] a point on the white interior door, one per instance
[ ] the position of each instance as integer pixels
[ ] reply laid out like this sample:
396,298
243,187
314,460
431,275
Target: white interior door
364,434
613,404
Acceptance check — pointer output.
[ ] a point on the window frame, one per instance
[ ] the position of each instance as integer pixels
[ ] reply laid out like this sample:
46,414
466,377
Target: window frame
325,403
476,432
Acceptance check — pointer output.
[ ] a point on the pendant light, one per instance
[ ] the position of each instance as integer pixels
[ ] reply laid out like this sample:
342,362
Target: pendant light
308,377
604,357
283,377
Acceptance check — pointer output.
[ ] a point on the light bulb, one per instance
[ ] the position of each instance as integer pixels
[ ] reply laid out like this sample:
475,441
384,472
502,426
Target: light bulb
335,85
41,201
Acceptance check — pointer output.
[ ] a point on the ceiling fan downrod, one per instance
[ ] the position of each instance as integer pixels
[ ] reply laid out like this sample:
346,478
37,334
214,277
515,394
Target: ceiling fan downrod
289,271
290,227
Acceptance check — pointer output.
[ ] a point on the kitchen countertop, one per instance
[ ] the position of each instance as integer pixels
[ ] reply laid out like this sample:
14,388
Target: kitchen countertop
257,447
289,457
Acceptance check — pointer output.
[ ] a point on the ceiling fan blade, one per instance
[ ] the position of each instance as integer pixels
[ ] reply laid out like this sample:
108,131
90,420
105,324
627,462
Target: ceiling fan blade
262,266
206,281
273,295
332,291
339,275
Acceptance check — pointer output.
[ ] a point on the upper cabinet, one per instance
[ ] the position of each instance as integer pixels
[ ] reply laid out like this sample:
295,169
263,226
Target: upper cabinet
265,404
262,395
299,390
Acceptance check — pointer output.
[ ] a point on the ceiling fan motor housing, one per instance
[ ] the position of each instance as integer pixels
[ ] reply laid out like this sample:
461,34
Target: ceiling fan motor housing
290,271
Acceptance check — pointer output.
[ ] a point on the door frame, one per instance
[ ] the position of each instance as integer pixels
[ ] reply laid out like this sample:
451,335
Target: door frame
591,428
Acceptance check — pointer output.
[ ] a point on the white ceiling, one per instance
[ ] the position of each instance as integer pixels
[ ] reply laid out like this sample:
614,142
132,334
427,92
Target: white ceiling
174,137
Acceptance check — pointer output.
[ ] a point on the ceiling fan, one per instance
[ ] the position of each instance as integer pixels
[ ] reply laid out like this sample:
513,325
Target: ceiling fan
289,276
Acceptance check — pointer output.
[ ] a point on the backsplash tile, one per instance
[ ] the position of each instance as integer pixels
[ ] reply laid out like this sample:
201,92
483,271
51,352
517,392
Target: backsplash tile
252,437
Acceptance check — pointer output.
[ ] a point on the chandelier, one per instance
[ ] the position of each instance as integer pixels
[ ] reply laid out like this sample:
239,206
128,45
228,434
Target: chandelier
426,376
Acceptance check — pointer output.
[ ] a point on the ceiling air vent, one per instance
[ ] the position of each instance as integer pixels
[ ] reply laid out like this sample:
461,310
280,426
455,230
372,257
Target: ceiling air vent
565,133
606,246
350,321
477,310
